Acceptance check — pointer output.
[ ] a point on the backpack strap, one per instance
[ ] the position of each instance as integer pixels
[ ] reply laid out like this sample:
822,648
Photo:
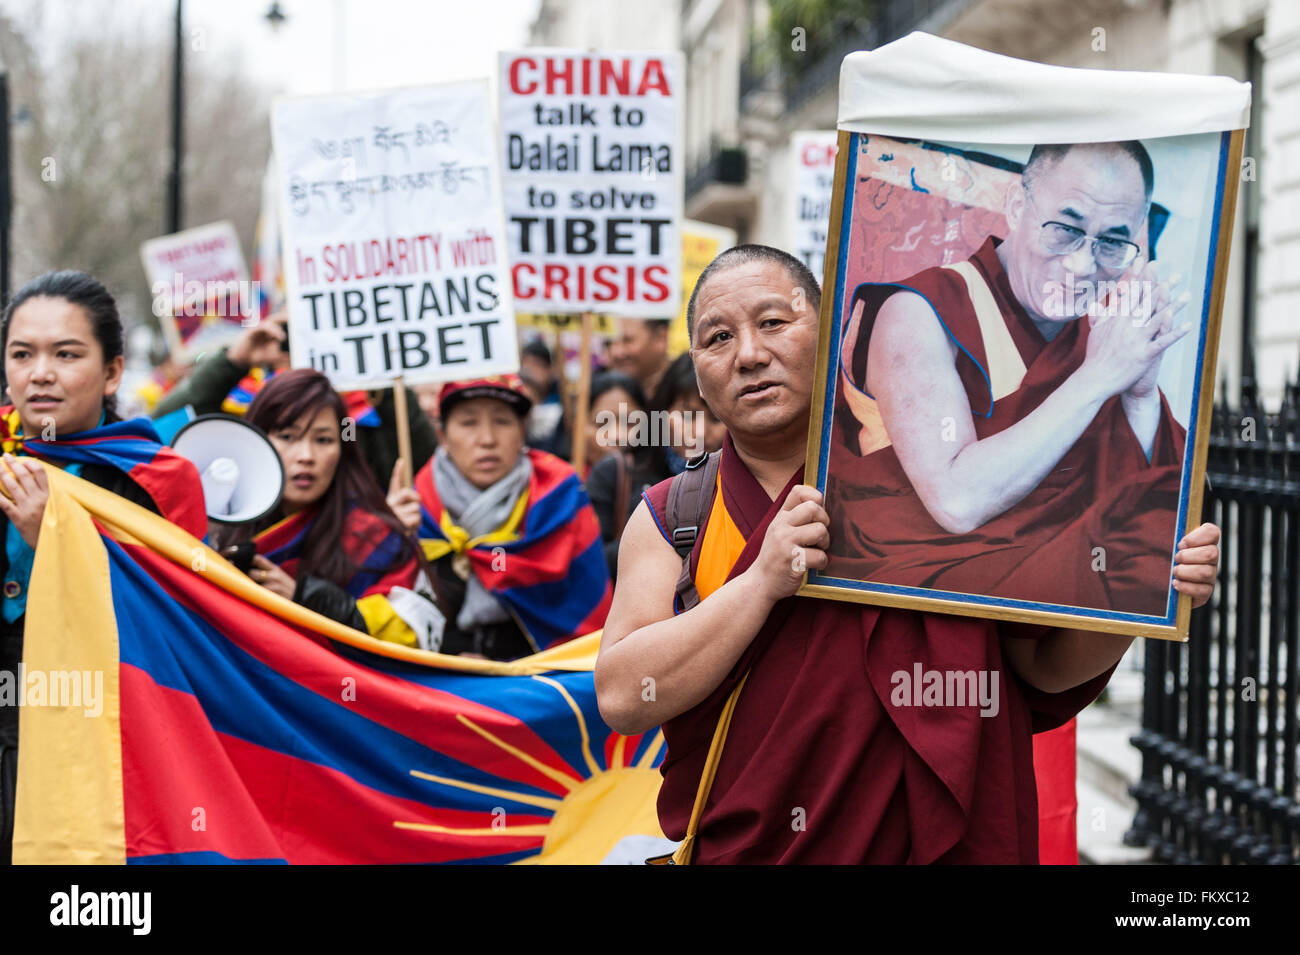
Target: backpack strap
690,495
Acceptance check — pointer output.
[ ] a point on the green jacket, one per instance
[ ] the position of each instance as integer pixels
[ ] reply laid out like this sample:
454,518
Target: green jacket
206,389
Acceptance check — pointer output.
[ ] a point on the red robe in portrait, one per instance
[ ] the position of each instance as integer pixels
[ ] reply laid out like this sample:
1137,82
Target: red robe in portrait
820,765
1102,494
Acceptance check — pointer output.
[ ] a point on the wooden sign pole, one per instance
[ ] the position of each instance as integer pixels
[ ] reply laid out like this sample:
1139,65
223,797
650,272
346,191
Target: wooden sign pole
557,366
403,428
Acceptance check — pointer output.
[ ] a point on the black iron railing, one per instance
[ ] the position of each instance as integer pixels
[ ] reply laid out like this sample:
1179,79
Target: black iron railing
1219,721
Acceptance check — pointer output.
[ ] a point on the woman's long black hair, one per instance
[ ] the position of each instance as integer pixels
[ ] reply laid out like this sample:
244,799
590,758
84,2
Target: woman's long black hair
645,455
678,382
86,291
284,401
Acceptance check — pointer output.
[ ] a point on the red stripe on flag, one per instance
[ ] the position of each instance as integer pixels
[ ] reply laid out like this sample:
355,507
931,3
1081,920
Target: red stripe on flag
324,816
173,483
188,788
181,792
629,748
549,472
282,533
421,713
545,560
596,619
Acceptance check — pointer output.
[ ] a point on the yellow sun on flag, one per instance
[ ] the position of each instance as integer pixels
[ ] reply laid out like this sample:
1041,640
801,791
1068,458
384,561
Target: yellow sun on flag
594,815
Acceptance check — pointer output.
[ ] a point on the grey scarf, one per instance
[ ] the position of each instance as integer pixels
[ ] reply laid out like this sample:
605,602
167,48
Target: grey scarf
479,512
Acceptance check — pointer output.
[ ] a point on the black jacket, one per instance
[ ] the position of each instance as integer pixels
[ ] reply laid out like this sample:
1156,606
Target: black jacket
647,469
497,641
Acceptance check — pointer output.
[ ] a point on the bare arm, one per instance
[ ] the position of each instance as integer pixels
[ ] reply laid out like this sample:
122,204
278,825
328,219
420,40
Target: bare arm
962,481
654,665
1143,414
1062,659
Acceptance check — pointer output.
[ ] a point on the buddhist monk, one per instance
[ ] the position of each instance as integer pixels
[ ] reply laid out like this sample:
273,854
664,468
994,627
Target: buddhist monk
825,760
1014,441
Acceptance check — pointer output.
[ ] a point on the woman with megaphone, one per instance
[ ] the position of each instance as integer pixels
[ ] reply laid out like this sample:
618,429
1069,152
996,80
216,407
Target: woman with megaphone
331,544
62,341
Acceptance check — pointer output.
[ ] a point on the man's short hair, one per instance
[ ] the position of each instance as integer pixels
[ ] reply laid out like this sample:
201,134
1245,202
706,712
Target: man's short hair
657,324
1046,155
537,349
800,275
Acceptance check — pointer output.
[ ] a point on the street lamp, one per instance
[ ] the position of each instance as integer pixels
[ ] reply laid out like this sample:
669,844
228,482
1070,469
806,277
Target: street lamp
178,125
6,195
275,16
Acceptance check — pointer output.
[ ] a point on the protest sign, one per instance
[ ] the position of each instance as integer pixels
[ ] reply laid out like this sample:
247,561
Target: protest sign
603,326
592,177
813,155
393,235
200,288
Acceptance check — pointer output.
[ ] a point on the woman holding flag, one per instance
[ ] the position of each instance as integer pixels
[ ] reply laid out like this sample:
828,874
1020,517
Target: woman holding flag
332,545
513,540
62,341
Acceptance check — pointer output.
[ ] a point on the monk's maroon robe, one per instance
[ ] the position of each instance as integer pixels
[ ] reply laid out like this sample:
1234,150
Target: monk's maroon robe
1102,494
821,767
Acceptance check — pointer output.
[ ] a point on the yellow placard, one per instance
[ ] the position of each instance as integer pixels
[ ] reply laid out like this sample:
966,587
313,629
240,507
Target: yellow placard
605,326
701,242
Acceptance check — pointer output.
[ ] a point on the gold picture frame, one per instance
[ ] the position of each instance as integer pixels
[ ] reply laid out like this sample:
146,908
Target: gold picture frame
1171,626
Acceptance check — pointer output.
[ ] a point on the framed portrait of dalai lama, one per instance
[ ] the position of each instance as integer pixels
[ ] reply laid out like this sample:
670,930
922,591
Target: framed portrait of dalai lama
1019,326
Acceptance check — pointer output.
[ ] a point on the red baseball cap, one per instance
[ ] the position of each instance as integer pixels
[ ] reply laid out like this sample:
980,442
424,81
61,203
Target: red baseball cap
507,388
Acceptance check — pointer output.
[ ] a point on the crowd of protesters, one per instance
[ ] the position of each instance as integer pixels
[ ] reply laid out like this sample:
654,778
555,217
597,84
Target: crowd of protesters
400,549
438,548
359,534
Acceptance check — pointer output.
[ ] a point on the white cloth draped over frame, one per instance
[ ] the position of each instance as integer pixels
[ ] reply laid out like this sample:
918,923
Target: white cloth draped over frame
925,87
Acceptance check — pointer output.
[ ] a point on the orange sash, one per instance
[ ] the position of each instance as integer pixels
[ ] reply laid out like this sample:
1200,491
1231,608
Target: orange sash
720,548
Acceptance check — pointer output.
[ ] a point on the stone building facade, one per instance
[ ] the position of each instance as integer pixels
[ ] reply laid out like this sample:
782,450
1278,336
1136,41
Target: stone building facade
745,99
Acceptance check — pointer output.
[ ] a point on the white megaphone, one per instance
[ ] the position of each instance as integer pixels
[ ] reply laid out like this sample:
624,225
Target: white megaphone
243,478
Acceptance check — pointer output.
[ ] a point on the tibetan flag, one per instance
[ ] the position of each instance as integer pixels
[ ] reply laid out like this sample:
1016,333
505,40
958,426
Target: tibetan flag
550,570
360,410
268,253
356,403
381,556
242,395
132,447
1055,771
177,712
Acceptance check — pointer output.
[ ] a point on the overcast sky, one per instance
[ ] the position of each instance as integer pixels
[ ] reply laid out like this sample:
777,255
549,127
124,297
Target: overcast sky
384,42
